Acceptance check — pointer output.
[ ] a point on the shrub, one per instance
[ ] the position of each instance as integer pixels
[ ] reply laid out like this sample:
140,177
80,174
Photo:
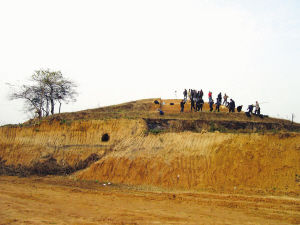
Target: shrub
155,131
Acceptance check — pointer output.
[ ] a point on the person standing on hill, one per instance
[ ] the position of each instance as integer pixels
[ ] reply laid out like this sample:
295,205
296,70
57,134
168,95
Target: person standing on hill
197,104
201,94
231,106
198,95
192,94
209,94
185,94
201,102
218,104
211,103
182,105
225,99
192,104
250,109
257,109
220,97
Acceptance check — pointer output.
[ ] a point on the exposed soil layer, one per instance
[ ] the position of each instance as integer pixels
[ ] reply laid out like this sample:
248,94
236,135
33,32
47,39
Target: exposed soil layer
61,200
184,156
217,125
218,162
48,166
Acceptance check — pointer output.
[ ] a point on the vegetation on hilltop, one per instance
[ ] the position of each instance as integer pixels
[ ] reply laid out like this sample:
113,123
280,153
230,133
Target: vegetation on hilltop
47,89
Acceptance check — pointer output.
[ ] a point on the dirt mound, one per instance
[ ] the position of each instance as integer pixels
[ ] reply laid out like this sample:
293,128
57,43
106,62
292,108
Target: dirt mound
132,144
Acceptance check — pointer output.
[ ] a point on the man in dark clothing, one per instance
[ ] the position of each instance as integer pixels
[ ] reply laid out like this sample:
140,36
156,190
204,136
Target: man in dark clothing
197,104
220,97
239,108
201,102
192,104
201,93
231,106
250,109
185,94
211,103
218,104
182,105
192,94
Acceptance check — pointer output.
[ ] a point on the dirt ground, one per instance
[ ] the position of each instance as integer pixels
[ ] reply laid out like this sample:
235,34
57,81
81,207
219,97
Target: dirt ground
62,200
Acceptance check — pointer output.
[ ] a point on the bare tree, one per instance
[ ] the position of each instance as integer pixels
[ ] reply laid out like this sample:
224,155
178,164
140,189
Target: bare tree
32,96
65,92
48,88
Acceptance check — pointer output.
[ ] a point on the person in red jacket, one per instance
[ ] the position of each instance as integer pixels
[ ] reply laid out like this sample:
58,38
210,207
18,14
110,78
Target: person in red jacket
209,94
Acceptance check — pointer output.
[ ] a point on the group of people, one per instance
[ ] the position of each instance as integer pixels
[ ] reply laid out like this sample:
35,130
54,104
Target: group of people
250,109
196,99
197,102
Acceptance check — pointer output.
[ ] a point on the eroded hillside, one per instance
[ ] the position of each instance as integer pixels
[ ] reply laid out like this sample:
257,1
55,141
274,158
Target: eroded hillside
132,144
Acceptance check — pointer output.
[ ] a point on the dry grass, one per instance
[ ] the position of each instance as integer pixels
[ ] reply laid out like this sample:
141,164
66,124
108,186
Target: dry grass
147,109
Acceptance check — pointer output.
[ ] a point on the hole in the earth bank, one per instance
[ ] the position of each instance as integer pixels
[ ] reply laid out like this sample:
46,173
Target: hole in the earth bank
105,137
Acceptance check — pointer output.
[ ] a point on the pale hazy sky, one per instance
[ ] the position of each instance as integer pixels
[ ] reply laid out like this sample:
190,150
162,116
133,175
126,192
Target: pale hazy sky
117,51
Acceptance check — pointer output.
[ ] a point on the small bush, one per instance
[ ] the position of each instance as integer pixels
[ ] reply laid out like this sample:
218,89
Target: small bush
62,122
155,131
212,127
274,131
67,122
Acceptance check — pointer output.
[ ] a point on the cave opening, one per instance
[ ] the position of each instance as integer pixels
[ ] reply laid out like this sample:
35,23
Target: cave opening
105,137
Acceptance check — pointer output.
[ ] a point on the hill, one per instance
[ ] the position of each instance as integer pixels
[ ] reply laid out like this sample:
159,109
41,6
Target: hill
132,144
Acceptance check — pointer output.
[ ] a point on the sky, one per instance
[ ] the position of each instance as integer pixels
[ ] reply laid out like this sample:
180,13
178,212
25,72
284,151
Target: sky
119,51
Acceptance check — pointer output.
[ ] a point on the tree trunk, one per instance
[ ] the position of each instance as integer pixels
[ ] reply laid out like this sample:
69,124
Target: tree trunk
52,106
59,107
52,101
47,107
40,114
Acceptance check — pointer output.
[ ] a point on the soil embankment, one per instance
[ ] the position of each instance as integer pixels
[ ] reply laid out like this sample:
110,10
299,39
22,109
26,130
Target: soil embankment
58,147
131,145
238,163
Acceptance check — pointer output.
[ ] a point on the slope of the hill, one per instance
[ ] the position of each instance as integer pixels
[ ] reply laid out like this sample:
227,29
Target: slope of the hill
209,161
59,148
132,144
147,109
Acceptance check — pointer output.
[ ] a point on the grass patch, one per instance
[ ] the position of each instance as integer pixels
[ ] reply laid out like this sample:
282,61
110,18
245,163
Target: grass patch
67,122
274,131
154,131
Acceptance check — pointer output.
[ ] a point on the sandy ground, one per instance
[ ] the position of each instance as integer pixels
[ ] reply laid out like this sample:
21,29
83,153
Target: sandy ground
61,200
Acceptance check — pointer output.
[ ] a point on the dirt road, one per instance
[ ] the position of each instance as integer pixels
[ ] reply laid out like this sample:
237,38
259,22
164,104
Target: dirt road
61,200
